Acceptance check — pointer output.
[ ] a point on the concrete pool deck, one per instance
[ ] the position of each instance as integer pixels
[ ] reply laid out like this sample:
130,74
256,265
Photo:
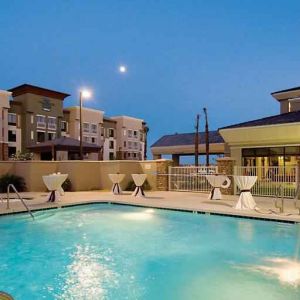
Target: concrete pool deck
169,200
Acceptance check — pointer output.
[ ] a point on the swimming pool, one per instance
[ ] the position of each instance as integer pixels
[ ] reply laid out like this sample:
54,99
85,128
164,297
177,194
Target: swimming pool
107,251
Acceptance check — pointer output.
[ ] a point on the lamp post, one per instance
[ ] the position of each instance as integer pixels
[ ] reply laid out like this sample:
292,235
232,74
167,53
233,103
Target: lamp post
82,94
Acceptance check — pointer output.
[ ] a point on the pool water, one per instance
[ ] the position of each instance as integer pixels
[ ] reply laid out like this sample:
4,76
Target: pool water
106,251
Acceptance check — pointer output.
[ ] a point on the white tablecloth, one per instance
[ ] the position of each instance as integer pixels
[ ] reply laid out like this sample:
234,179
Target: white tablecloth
245,183
139,180
116,180
217,182
53,182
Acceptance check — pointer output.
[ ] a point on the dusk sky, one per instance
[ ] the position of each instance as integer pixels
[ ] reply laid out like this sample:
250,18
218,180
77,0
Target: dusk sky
181,56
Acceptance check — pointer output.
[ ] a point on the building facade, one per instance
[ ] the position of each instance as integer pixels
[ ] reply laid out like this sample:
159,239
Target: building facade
36,115
130,138
268,142
4,107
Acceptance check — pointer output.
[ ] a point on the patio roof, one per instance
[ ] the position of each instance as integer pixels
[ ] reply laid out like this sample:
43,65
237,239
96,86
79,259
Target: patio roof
179,139
64,144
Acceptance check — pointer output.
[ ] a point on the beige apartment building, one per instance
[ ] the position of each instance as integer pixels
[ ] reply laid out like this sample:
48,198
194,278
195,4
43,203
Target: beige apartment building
36,116
130,138
4,106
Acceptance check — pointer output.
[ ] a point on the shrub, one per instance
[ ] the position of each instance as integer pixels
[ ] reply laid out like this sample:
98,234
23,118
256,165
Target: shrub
67,185
131,186
22,156
16,180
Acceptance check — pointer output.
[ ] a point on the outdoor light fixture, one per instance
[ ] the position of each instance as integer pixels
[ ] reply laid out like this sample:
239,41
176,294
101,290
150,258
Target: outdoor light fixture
83,94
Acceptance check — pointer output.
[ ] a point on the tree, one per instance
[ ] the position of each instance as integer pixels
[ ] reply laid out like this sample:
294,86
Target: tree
206,137
197,140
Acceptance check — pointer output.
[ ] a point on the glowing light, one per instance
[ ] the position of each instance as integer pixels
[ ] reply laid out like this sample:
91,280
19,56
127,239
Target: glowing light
122,69
86,94
286,270
147,214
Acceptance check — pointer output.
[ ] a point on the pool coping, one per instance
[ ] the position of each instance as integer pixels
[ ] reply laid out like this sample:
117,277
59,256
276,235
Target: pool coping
189,210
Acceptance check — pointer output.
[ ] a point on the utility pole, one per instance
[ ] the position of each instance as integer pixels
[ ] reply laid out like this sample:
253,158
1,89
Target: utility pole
197,140
206,137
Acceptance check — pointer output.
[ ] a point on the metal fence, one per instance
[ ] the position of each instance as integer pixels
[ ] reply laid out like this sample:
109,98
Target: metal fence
190,178
269,179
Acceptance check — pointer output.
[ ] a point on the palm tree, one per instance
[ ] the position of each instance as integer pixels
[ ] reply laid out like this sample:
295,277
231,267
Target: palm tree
197,140
206,137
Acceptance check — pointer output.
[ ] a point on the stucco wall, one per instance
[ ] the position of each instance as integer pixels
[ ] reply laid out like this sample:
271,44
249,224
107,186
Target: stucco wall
84,175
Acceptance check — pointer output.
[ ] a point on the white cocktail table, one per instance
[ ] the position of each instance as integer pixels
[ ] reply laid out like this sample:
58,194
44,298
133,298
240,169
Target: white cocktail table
245,183
139,180
116,180
217,182
53,183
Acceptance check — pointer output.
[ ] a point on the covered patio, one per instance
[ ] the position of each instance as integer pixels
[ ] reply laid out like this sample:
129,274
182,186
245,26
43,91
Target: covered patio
65,148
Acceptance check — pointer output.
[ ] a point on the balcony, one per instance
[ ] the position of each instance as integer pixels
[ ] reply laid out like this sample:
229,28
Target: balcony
52,126
41,125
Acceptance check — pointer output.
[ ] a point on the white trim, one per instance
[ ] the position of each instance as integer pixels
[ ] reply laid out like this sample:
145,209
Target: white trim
259,126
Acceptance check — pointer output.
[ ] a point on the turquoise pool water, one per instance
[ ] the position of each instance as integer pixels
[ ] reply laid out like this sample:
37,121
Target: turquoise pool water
104,251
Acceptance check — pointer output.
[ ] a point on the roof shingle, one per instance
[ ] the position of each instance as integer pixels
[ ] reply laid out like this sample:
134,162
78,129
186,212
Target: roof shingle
187,139
291,117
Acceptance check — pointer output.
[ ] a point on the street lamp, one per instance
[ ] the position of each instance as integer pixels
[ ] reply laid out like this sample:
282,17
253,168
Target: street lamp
83,94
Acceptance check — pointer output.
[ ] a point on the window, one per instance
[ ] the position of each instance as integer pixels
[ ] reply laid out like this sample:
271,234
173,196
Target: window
111,144
64,126
41,121
31,135
102,131
130,145
125,144
129,133
124,132
52,123
134,155
136,146
135,134
51,136
111,132
41,136
12,119
12,151
111,156
86,139
94,128
94,140
86,127
12,136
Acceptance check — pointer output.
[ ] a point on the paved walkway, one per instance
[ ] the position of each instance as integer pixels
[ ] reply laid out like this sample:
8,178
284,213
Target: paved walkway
175,200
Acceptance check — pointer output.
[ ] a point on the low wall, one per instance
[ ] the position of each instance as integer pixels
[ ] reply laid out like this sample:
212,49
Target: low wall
84,175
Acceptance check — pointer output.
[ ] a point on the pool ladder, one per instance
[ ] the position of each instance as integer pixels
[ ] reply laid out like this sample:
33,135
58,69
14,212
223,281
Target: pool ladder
11,186
279,201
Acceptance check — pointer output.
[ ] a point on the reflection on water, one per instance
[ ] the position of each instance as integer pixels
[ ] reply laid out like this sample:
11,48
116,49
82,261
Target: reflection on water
246,230
287,271
88,276
144,215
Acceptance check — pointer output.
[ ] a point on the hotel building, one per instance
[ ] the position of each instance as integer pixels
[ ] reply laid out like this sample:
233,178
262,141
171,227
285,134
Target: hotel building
270,141
36,115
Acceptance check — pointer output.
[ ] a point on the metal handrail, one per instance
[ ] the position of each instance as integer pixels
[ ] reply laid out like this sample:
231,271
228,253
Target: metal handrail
20,198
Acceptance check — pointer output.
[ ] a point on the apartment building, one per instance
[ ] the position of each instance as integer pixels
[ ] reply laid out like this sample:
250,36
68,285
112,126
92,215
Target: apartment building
36,116
130,138
109,137
4,106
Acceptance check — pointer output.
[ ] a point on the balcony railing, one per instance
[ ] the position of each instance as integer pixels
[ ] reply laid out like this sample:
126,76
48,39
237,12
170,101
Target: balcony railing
41,124
52,126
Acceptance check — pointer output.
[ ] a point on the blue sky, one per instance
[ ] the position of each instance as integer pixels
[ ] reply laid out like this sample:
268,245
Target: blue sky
181,56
